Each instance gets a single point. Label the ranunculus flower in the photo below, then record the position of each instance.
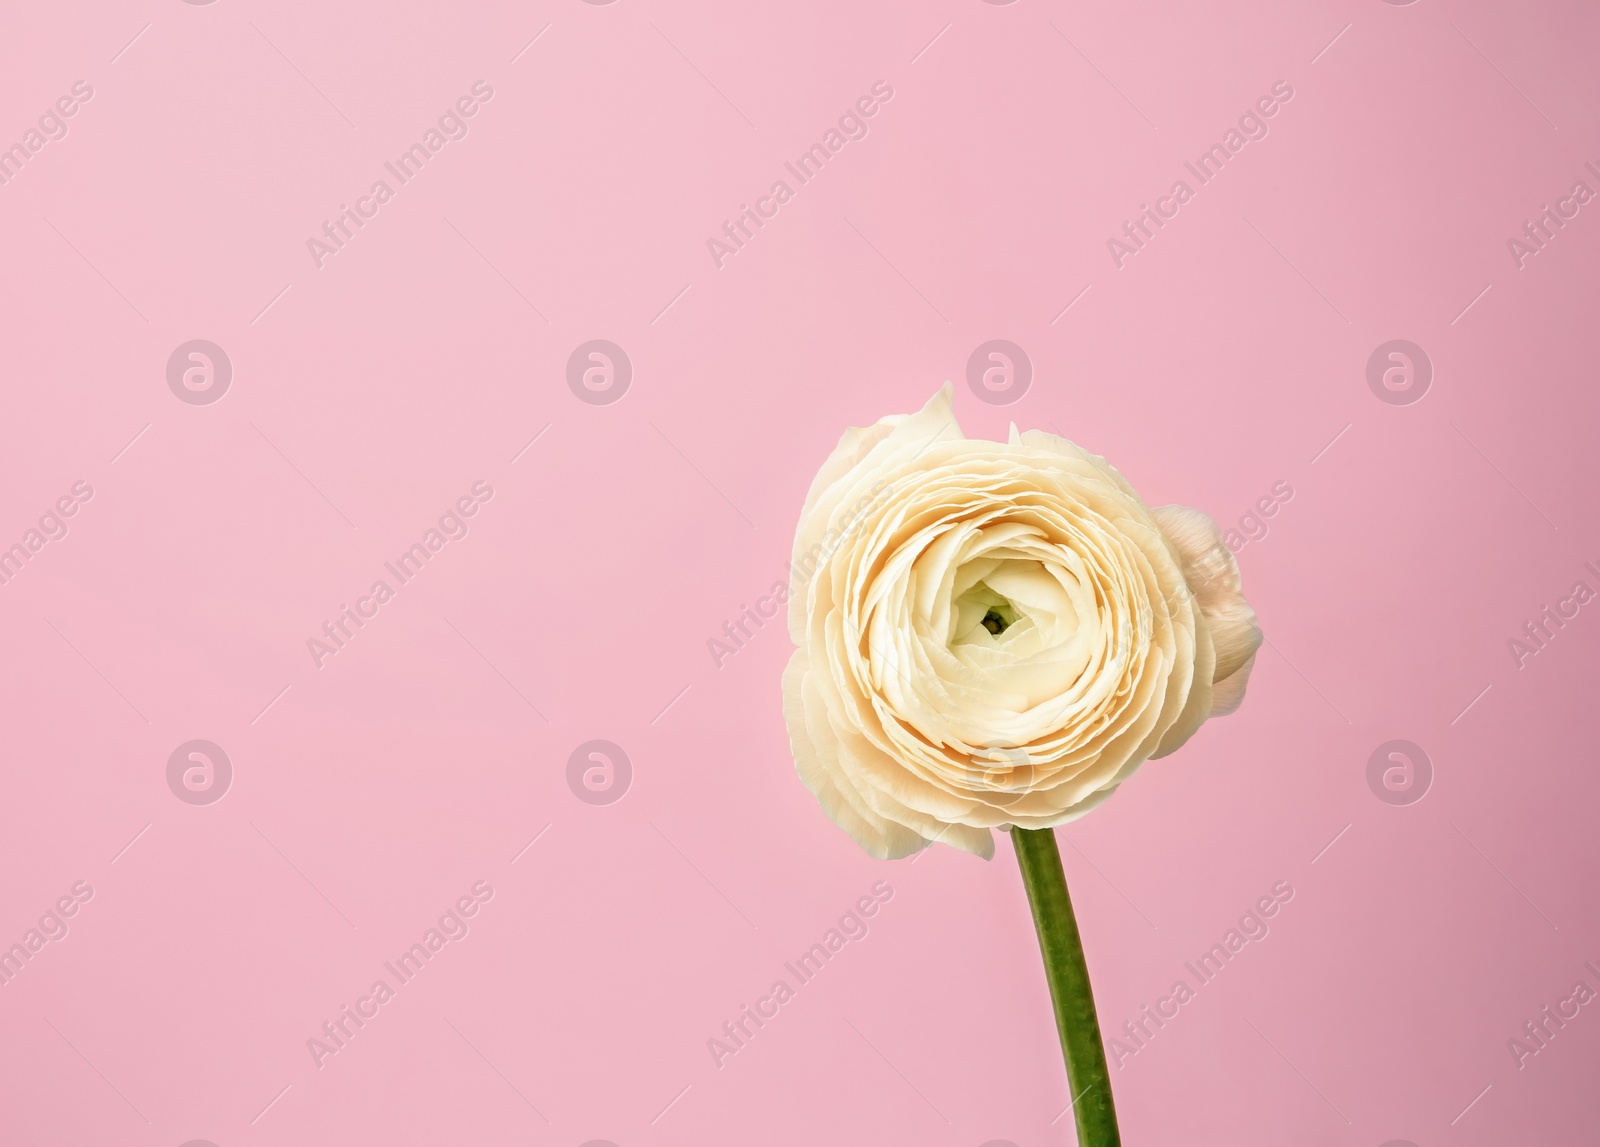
(996, 633)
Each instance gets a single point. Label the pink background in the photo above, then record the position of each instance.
(370, 394)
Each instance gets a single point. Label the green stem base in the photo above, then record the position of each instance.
(1087, 1075)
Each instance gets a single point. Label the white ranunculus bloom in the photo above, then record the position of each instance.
(996, 633)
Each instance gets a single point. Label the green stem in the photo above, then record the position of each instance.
(1059, 943)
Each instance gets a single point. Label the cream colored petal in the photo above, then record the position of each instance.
(979, 841)
(1089, 803)
(1201, 701)
(815, 756)
(1233, 627)
(1208, 564)
(1227, 694)
(845, 483)
(1213, 577)
(1076, 455)
(1125, 628)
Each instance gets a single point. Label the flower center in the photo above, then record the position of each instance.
(980, 610)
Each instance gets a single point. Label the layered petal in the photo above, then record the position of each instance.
(993, 634)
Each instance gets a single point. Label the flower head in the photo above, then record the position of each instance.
(996, 633)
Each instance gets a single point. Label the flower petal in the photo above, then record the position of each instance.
(996, 633)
